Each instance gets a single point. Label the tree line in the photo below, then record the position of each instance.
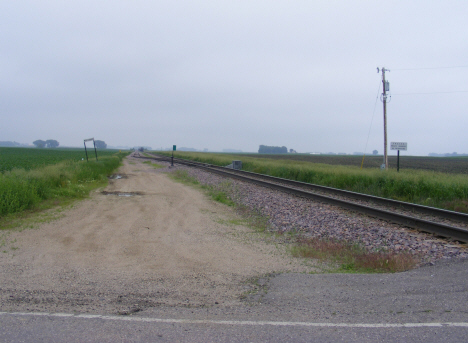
(52, 143)
(265, 149)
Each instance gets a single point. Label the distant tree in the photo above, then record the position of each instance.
(141, 149)
(100, 144)
(375, 152)
(51, 143)
(39, 143)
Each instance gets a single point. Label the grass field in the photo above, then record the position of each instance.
(426, 187)
(31, 158)
(50, 183)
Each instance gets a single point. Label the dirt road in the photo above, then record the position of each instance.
(167, 246)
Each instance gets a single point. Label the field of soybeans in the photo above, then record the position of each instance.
(437, 182)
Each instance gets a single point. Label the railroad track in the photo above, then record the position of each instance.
(440, 222)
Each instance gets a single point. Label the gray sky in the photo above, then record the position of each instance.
(235, 74)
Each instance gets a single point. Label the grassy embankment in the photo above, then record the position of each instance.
(52, 185)
(430, 188)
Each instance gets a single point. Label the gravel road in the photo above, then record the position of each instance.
(165, 245)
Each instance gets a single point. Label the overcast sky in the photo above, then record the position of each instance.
(235, 74)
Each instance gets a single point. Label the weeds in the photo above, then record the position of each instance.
(457, 205)
(154, 165)
(254, 219)
(218, 193)
(219, 196)
(352, 257)
(184, 177)
(257, 288)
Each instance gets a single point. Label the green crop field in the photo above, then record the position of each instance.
(431, 187)
(33, 179)
(31, 158)
(453, 165)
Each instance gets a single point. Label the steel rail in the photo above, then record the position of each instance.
(463, 217)
(405, 220)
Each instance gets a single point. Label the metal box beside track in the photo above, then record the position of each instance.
(235, 165)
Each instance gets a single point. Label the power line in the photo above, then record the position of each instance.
(372, 119)
(453, 67)
(431, 93)
(370, 127)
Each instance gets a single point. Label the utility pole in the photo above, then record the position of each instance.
(385, 87)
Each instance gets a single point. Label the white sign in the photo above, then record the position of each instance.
(398, 146)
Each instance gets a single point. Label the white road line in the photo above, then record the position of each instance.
(233, 322)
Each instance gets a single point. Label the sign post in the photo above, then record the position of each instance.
(398, 146)
(172, 160)
(94, 144)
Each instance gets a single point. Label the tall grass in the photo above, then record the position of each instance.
(449, 191)
(21, 189)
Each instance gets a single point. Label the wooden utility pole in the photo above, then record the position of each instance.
(385, 87)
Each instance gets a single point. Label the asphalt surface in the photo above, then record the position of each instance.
(40, 329)
(429, 304)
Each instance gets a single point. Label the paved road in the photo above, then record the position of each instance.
(50, 329)
(424, 305)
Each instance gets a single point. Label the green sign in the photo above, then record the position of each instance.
(174, 147)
